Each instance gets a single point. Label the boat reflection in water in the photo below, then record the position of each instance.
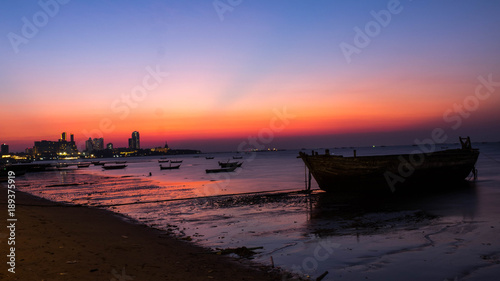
(332, 215)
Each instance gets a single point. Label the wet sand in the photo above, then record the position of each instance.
(57, 242)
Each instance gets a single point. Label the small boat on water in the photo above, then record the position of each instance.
(169, 167)
(120, 162)
(230, 164)
(114, 167)
(221, 170)
(163, 161)
(335, 173)
(29, 167)
(83, 165)
(97, 163)
(209, 157)
(175, 161)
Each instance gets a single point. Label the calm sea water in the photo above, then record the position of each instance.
(375, 238)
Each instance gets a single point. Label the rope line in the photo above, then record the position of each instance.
(58, 204)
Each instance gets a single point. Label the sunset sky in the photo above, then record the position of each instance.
(210, 74)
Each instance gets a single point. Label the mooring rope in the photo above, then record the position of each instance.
(63, 204)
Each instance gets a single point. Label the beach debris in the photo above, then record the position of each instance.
(188, 238)
(243, 252)
(272, 262)
(322, 276)
(93, 270)
(124, 236)
(71, 262)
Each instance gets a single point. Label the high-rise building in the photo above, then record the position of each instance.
(134, 142)
(46, 148)
(4, 149)
(72, 138)
(109, 146)
(98, 144)
(64, 136)
(88, 145)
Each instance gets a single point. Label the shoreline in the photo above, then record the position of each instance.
(57, 241)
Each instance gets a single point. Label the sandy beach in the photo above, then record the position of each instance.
(57, 242)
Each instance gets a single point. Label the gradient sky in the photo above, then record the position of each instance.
(227, 78)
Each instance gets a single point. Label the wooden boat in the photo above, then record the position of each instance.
(30, 167)
(83, 165)
(169, 167)
(209, 157)
(390, 172)
(163, 161)
(221, 170)
(230, 164)
(114, 167)
(175, 161)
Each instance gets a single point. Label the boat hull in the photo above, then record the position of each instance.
(114, 167)
(169, 167)
(390, 172)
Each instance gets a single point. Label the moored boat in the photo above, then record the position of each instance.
(29, 167)
(163, 161)
(390, 172)
(114, 167)
(169, 167)
(175, 161)
(230, 164)
(221, 170)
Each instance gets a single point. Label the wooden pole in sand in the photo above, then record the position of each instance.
(309, 181)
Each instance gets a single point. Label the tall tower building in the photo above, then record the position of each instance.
(89, 145)
(72, 138)
(4, 149)
(136, 143)
(64, 136)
